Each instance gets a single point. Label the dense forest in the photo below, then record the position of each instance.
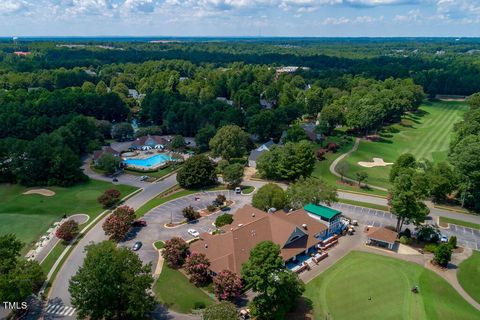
(60, 100)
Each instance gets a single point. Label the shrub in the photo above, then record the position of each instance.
(211, 208)
(227, 285)
(67, 231)
(109, 198)
(190, 214)
(199, 305)
(197, 267)
(405, 240)
(222, 311)
(221, 198)
(332, 146)
(452, 242)
(407, 233)
(320, 154)
(223, 220)
(443, 254)
(175, 252)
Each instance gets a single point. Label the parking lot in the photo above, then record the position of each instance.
(172, 211)
(466, 237)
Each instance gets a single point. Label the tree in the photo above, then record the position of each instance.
(112, 283)
(404, 161)
(223, 220)
(197, 267)
(88, 86)
(119, 223)
(289, 162)
(203, 137)
(310, 190)
(295, 134)
(67, 230)
(443, 254)
(101, 88)
(227, 285)
(342, 168)
(190, 214)
(19, 278)
(233, 175)
(230, 142)
(278, 287)
(175, 252)
(122, 131)
(109, 198)
(197, 171)
(362, 177)
(452, 242)
(221, 311)
(269, 196)
(442, 181)
(108, 163)
(178, 142)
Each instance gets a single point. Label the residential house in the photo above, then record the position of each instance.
(254, 154)
(150, 141)
(105, 150)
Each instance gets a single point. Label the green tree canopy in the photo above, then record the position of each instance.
(221, 311)
(233, 174)
(230, 142)
(269, 196)
(112, 283)
(197, 171)
(310, 190)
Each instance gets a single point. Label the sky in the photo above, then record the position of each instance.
(295, 18)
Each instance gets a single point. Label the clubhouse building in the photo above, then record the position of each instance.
(300, 235)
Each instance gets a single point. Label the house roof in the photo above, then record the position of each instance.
(382, 234)
(255, 153)
(321, 211)
(149, 139)
(294, 232)
(105, 150)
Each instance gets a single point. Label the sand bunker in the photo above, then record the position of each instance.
(43, 192)
(377, 162)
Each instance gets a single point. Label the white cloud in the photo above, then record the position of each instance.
(12, 6)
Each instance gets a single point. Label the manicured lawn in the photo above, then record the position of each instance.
(469, 275)
(322, 169)
(177, 293)
(425, 134)
(159, 244)
(29, 216)
(364, 204)
(247, 189)
(444, 220)
(369, 286)
(154, 174)
(52, 257)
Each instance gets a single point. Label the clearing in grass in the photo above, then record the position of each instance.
(369, 286)
(29, 216)
(425, 134)
(469, 275)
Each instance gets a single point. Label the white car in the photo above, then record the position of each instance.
(143, 178)
(443, 238)
(193, 232)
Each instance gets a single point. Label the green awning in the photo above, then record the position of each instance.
(325, 213)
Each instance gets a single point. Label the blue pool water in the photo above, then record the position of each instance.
(155, 160)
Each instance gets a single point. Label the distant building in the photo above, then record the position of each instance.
(295, 232)
(309, 129)
(227, 101)
(381, 237)
(91, 72)
(254, 154)
(105, 150)
(154, 142)
(22, 53)
(133, 93)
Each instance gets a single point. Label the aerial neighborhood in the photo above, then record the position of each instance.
(238, 178)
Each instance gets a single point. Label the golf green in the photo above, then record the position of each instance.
(426, 134)
(369, 286)
(28, 216)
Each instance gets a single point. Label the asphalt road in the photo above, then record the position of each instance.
(59, 294)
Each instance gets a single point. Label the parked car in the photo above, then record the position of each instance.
(114, 180)
(137, 246)
(238, 190)
(143, 178)
(443, 238)
(139, 223)
(193, 232)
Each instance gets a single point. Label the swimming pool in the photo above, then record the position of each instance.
(152, 161)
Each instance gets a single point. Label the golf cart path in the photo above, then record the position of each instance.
(343, 156)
